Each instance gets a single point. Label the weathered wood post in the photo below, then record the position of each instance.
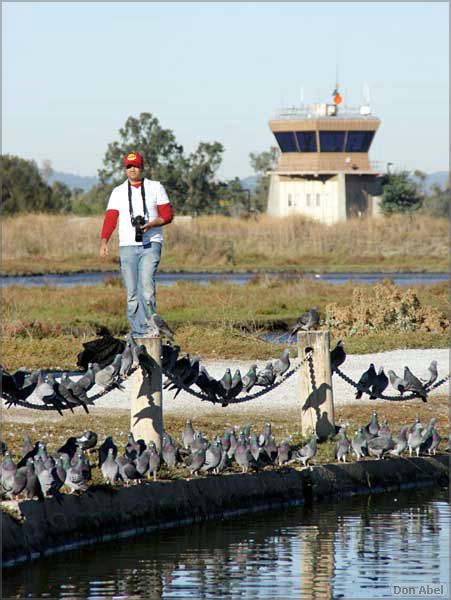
(146, 406)
(315, 382)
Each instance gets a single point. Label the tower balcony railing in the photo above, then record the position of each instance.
(318, 111)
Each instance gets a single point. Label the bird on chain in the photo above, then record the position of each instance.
(282, 364)
(379, 385)
(337, 356)
(432, 375)
(366, 381)
(160, 327)
(396, 382)
(266, 376)
(413, 384)
(249, 378)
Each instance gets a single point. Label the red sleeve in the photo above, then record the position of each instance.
(109, 223)
(165, 212)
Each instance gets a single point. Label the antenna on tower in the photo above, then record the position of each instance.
(365, 108)
(302, 95)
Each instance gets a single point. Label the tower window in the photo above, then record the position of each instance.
(306, 141)
(332, 141)
(309, 199)
(318, 198)
(286, 141)
(359, 141)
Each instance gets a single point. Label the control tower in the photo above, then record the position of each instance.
(324, 170)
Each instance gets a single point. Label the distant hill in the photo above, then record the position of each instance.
(440, 178)
(250, 182)
(85, 182)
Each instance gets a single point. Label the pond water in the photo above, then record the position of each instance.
(94, 278)
(357, 548)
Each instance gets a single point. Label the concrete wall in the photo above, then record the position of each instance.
(102, 513)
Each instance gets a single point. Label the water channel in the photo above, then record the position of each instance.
(358, 548)
(96, 277)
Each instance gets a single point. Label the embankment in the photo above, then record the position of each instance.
(100, 514)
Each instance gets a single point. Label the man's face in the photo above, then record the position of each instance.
(134, 174)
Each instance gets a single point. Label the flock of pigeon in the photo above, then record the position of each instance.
(39, 474)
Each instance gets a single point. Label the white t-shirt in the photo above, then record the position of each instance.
(155, 195)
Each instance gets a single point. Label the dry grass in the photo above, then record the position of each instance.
(44, 243)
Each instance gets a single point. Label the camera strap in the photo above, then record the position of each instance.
(143, 195)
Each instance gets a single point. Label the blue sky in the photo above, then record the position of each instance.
(74, 71)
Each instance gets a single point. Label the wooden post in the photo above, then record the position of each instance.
(146, 406)
(315, 382)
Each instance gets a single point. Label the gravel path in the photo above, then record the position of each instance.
(285, 398)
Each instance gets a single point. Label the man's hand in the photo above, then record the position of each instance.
(103, 248)
(146, 227)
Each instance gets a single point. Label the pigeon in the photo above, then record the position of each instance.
(396, 382)
(10, 390)
(168, 451)
(413, 384)
(189, 376)
(109, 467)
(283, 452)
(208, 385)
(104, 449)
(226, 382)
(142, 463)
(448, 447)
(169, 355)
(415, 439)
(69, 448)
(282, 364)
(32, 486)
(266, 376)
(342, 446)
(435, 441)
(270, 448)
(379, 385)
(365, 382)
(8, 470)
(379, 445)
(75, 478)
(195, 461)
(128, 470)
(242, 454)
(308, 451)
(373, 426)
(400, 441)
(337, 356)
(65, 390)
(154, 459)
(48, 479)
(126, 361)
(133, 448)
(47, 394)
(308, 320)
(236, 386)
(188, 435)
(88, 440)
(249, 379)
(213, 456)
(233, 444)
(359, 444)
(265, 435)
(160, 327)
(106, 378)
(412, 427)
(18, 483)
(27, 446)
(432, 374)
(426, 435)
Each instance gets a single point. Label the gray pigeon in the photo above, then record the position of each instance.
(237, 385)
(8, 470)
(47, 394)
(75, 478)
(188, 435)
(308, 451)
(242, 454)
(154, 460)
(32, 487)
(159, 326)
(88, 440)
(213, 456)
(128, 470)
(110, 468)
(396, 382)
(282, 364)
(104, 448)
(380, 445)
(195, 461)
(359, 444)
(106, 378)
(168, 451)
(142, 463)
(432, 375)
(266, 376)
(373, 426)
(226, 381)
(307, 321)
(400, 441)
(379, 385)
(366, 381)
(413, 384)
(435, 441)
(283, 452)
(126, 361)
(337, 356)
(415, 439)
(249, 379)
(412, 427)
(342, 446)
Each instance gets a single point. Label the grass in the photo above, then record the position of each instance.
(65, 243)
(46, 326)
(54, 430)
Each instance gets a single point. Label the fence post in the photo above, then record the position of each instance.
(315, 382)
(146, 406)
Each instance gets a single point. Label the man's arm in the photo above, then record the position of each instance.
(109, 225)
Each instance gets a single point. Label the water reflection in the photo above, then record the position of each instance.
(356, 548)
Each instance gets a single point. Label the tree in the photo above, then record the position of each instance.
(233, 199)
(437, 202)
(400, 194)
(93, 202)
(23, 189)
(262, 163)
(189, 181)
(61, 197)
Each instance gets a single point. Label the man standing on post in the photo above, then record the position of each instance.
(142, 208)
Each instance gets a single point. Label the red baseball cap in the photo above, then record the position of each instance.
(133, 158)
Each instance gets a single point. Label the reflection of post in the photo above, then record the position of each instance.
(317, 407)
(317, 563)
(146, 406)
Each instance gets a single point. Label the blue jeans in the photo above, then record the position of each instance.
(138, 267)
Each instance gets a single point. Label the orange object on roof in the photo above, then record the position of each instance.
(337, 98)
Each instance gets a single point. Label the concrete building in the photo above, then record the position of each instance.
(324, 170)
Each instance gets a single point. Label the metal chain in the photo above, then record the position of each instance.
(398, 398)
(238, 400)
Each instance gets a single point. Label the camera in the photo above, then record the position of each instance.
(137, 223)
